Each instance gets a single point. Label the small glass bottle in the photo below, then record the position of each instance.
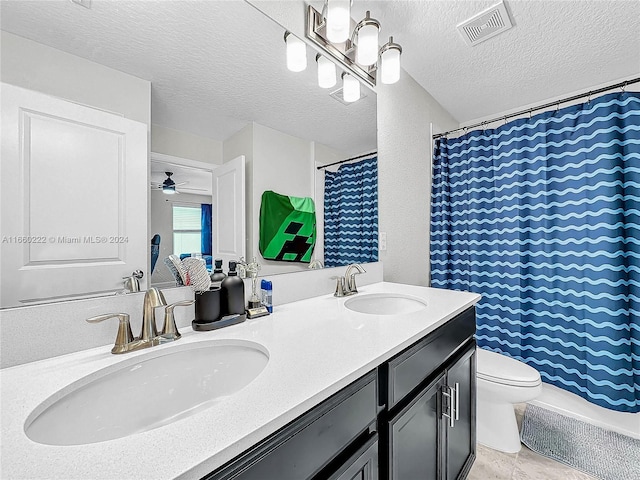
(267, 295)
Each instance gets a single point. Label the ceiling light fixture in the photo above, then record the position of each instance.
(296, 53)
(338, 20)
(169, 186)
(390, 62)
(326, 72)
(367, 40)
(359, 52)
(350, 88)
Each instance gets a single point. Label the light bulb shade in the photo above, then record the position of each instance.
(350, 88)
(169, 189)
(338, 20)
(390, 65)
(326, 72)
(367, 45)
(296, 53)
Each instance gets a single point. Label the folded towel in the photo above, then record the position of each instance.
(198, 276)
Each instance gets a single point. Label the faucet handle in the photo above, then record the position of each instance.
(339, 286)
(350, 277)
(170, 330)
(124, 335)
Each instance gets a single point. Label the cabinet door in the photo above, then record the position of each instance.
(416, 436)
(363, 465)
(461, 439)
(304, 448)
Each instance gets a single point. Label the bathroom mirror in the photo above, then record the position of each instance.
(217, 70)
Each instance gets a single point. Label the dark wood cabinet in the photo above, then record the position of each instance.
(411, 418)
(415, 434)
(461, 431)
(433, 436)
(312, 443)
(362, 466)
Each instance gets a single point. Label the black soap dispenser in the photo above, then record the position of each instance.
(217, 276)
(233, 292)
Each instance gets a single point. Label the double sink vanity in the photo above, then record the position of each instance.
(377, 385)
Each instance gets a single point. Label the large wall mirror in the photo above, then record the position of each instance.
(219, 89)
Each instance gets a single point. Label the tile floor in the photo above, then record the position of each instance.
(524, 465)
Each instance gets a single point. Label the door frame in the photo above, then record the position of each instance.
(155, 157)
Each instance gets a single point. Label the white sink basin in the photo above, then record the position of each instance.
(146, 392)
(385, 304)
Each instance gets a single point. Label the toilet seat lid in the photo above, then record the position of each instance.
(498, 368)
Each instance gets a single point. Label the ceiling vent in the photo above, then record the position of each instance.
(338, 96)
(486, 24)
(83, 3)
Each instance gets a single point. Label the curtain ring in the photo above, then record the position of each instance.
(530, 110)
(589, 98)
(624, 86)
(557, 106)
(505, 120)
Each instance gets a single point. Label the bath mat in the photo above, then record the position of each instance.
(604, 454)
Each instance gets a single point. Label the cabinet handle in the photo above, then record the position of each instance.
(457, 407)
(447, 391)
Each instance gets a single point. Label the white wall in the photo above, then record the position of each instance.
(279, 162)
(405, 114)
(44, 69)
(185, 145)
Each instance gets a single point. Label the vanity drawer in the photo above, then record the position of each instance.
(406, 371)
(306, 445)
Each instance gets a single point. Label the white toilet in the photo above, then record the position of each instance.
(502, 382)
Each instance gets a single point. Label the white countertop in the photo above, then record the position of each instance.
(316, 347)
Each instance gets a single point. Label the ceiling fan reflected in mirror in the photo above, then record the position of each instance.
(168, 186)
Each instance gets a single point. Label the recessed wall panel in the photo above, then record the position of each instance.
(74, 182)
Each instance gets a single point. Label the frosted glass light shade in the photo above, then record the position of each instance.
(296, 54)
(338, 20)
(367, 45)
(350, 88)
(390, 66)
(326, 72)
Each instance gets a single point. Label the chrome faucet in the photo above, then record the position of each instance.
(347, 285)
(153, 298)
(149, 336)
(350, 277)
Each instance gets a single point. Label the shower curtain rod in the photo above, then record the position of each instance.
(542, 107)
(347, 160)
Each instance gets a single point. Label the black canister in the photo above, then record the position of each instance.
(232, 292)
(218, 275)
(208, 305)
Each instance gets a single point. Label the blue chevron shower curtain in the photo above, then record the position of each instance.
(542, 217)
(351, 213)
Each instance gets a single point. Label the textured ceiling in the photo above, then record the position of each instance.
(556, 47)
(214, 65)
